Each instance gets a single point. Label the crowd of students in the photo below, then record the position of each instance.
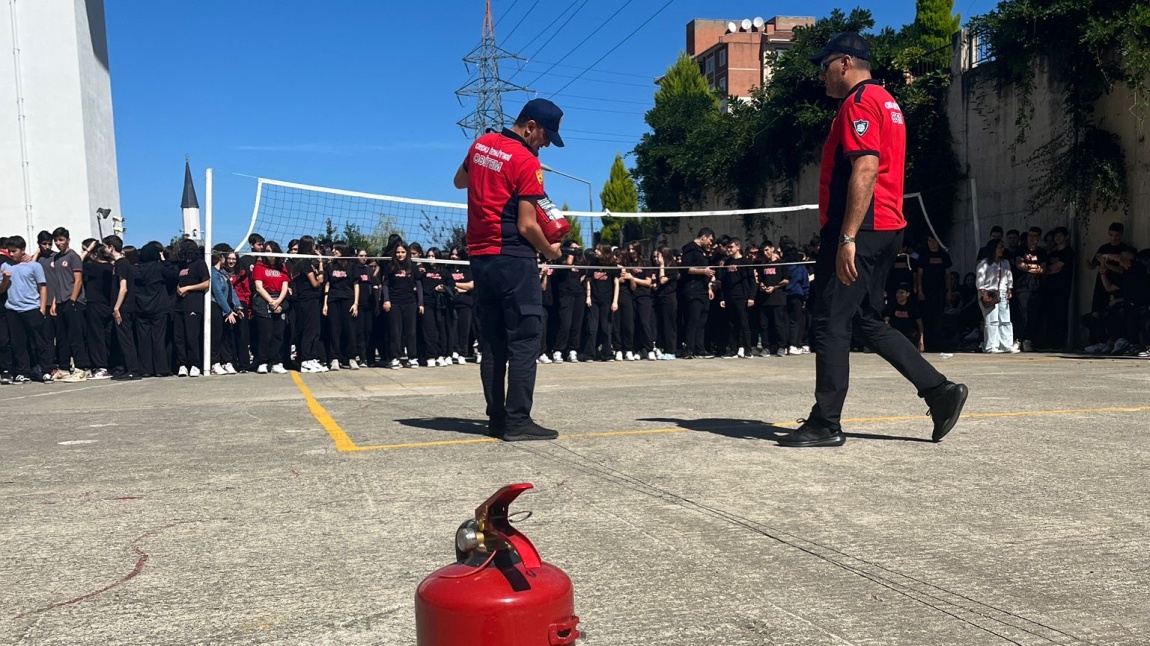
(106, 310)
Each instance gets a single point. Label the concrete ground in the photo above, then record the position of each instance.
(306, 509)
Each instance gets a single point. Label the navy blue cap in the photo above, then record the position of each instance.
(844, 42)
(547, 115)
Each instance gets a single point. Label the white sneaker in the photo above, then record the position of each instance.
(630, 356)
(100, 373)
(230, 369)
(454, 356)
(263, 369)
(636, 356)
(217, 369)
(279, 369)
(478, 357)
(335, 364)
(353, 365)
(651, 356)
(431, 363)
(557, 357)
(183, 372)
(806, 349)
(460, 360)
(394, 365)
(741, 353)
(618, 356)
(444, 362)
(413, 363)
(309, 367)
(573, 357)
(666, 357)
(543, 358)
(795, 350)
(194, 372)
(1016, 348)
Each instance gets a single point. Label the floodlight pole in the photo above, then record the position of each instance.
(590, 198)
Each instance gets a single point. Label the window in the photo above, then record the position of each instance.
(723, 85)
(722, 58)
(710, 65)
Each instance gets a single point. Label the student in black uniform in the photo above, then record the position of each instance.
(903, 314)
(738, 300)
(307, 287)
(548, 303)
(151, 279)
(364, 273)
(933, 291)
(341, 301)
(570, 294)
(602, 301)
(772, 303)
(623, 321)
(437, 290)
(642, 284)
(697, 290)
(124, 305)
(65, 275)
(98, 280)
(193, 281)
(667, 302)
(403, 302)
(464, 307)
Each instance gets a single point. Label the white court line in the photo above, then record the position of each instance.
(54, 392)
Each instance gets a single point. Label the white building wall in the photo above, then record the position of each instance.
(54, 65)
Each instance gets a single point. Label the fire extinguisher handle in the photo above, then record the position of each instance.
(492, 519)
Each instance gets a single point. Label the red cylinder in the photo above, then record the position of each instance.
(491, 606)
(555, 226)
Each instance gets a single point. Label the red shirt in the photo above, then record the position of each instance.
(273, 279)
(869, 122)
(501, 170)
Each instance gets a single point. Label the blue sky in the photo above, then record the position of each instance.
(360, 94)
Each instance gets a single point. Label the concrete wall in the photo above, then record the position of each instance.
(59, 161)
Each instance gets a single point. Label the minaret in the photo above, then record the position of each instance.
(190, 205)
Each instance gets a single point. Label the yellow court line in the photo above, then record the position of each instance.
(341, 439)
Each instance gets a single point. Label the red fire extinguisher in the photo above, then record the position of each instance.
(498, 592)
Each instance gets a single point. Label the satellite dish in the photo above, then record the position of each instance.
(746, 24)
(732, 27)
(758, 22)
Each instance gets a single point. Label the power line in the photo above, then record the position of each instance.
(640, 76)
(552, 37)
(509, 9)
(593, 132)
(628, 37)
(595, 98)
(529, 10)
(585, 39)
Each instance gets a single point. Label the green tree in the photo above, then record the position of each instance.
(934, 23)
(620, 195)
(374, 240)
(576, 226)
(671, 162)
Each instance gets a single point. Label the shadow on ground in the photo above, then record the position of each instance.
(748, 429)
(450, 424)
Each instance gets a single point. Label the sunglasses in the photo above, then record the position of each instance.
(827, 63)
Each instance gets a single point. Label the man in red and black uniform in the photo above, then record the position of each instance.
(860, 212)
(504, 183)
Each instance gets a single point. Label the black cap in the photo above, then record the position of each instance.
(844, 42)
(547, 115)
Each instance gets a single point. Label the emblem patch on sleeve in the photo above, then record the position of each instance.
(861, 126)
(539, 176)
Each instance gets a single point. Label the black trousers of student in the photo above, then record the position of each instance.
(364, 324)
(1025, 316)
(189, 337)
(223, 337)
(271, 333)
(598, 330)
(26, 331)
(240, 347)
(401, 321)
(716, 328)
(6, 359)
(69, 330)
(698, 309)
(341, 331)
(623, 323)
(933, 309)
(739, 320)
(570, 309)
(667, 311)
(644, 324)
(126, 341)
(839, 310)
(308, 321)
(434, 325)
(98, 317)
(152, 344)
(1056, 312)
(796, 317)
(464, 321)
(381, 333)
(775, 323)
(509, 300)
(248, 341)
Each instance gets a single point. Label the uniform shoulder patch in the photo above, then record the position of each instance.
(539, 176)
(861, 126)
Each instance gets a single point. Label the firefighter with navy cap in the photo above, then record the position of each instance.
(504, 182)
(862, 223)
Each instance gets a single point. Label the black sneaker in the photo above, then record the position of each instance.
(47, 378)
(127, 376)
(5, 379)
(946, 404)
(496, 428)
(808, 435)
(530, 431)
(20, 379)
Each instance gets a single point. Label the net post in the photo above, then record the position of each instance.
(255, 212)
(207, 344)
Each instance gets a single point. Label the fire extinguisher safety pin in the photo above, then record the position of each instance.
(519, 516)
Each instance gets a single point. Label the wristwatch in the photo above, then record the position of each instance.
(845, 239)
